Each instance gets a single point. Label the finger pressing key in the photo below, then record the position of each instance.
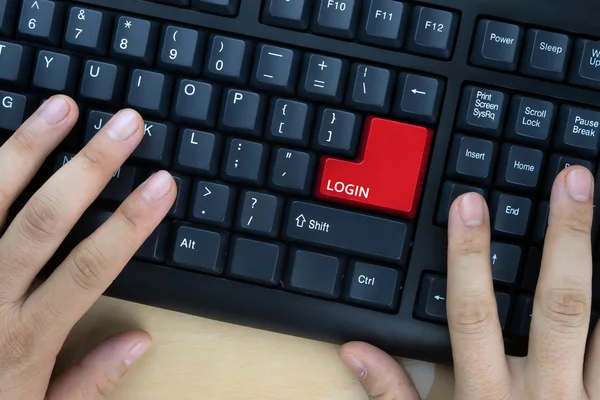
(561, 311)
(91, 267)
(477, 345)
(41, 226)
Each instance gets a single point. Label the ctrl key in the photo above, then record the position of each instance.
(373, 286)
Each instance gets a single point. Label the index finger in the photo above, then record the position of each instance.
(477, 344)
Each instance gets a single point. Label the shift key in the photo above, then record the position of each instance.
(353, 232)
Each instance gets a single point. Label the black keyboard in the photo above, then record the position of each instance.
(318, 145)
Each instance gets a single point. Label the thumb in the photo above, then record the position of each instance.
(96, 376)
(379, 374)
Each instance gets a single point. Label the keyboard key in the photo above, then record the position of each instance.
(8, 13)
(256, 261)
(510, 214)
(370, 88)
(546, 54)
(287, 14)
(196, 102)
(532, 269)
(497, 45)
(356, 233)
(522, 316)
(197, 152)
(55, 72)
(156, 146)
(212, 203)
(338, 132)
(14, 109)
(585, 68)
(503, 304)
(181, 50)
(291, 122)
(15, 63)
(577, 130)
(520, 167)
(418, 97)
(41, 21)
(135, 40)
(431, 303)
(482, 110)
(102, 82)
(245, 161)
(292, 171)
(335, 18)
(228, 60)
(383, 23)
(154, 248)
(505, 260)
(531, 120)
(315, 274)
(541, 222)
(388, 146)
(150, 92)
(199, 249)
(223, 7)
(472, 159)
(373, 286)
(322, 78)
(179, 207)
(275, 68)
(557, 163)
(242, 112)
(432, 32)
(122, 184)
(260, 213)
(87, 30)
(450, 192)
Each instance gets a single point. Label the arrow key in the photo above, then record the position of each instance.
(212, 203)
(431, 304)
(505, 259)
(418, 97)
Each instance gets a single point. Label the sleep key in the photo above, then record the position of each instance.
(354, 232)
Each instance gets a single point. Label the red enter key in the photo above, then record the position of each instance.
(388, 173)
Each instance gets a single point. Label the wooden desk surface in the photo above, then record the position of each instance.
(196, 358)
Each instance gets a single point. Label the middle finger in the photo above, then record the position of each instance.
(561, 311)
(40, 227)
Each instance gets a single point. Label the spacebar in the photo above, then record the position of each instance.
(350, 231)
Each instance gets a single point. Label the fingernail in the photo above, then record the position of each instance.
(354, 365)
(123, 125)
(54, 110)
(157, 186)
(136, 352)
(579, 185)
(471, 210)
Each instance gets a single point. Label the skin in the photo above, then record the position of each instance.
(36, 318)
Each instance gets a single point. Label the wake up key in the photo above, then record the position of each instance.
(578, 130)
(357, 233)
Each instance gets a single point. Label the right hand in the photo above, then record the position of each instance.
(557, 366)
